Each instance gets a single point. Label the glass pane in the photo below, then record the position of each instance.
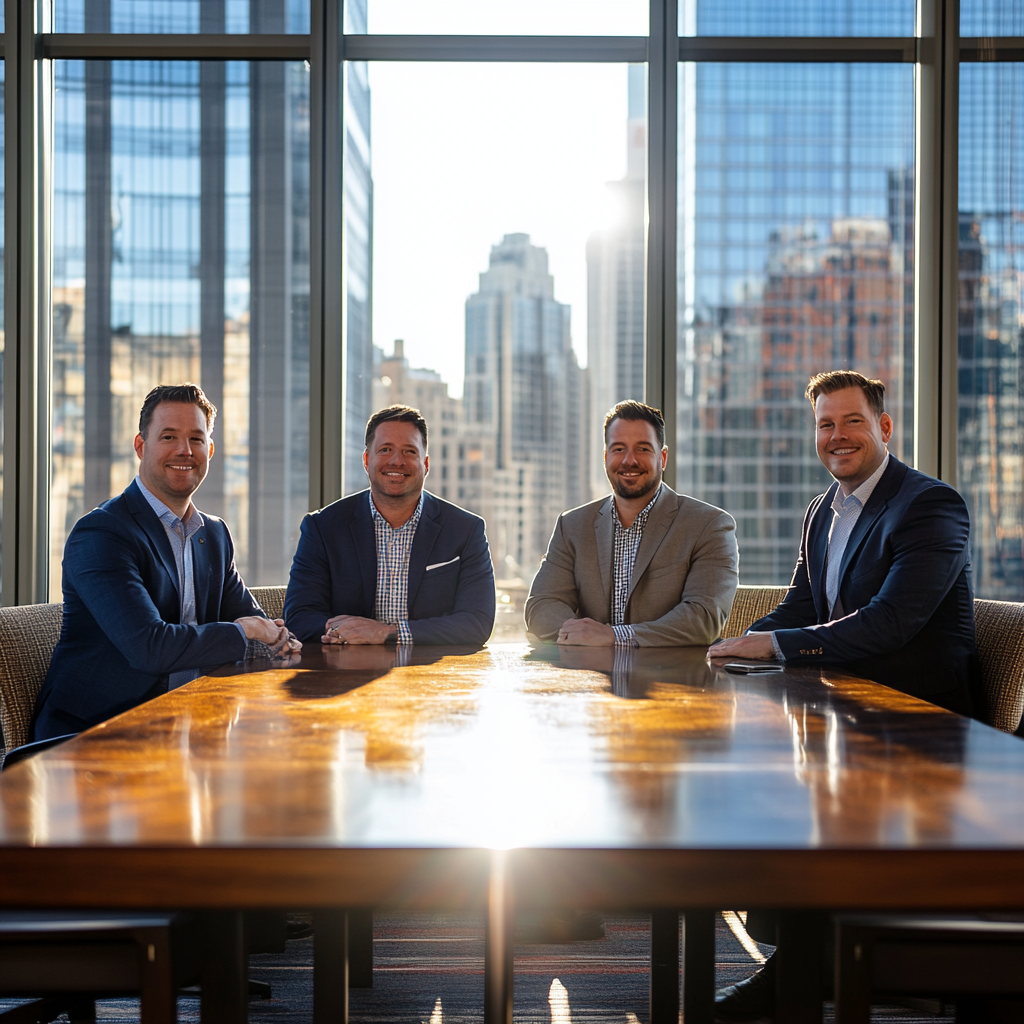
(524, 17)
(795, 256)
(501, 255)
(991, 18)
(2, 68)
(991, 323)
(181, 190)
(188, 16)
(797, 17)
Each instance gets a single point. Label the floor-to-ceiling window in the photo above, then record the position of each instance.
(540, 209)
(991, 303)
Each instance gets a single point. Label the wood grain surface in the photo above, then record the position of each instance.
(366, 776)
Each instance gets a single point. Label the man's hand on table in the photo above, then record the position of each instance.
(585, 633)
(354, 629)
(271, 632)
(757, 646)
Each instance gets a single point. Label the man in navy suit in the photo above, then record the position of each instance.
(151, 595)
(882, 586)
(882, 583)
(393, 562)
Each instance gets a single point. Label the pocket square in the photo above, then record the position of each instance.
(438, 565)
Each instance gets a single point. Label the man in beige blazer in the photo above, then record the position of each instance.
(644, 567)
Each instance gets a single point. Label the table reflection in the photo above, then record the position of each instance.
(511, 746)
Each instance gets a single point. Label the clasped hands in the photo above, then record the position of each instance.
(585, 633)
(354, 629)
(272, 632)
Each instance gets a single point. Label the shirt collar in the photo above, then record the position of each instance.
(641, 516)
(167, 515)
(864, 492)
(414, 518)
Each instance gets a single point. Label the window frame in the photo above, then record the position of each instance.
(29, 47)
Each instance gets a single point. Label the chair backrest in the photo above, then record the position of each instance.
(750, 605)
(28, 635)
(271, 600)
(999, 626)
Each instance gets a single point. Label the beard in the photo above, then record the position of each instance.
(639, 489)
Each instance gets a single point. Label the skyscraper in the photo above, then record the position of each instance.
(358, 255)
(525, 391)
(616, 286)
(181, 251)
(991, 324)
(795, 256)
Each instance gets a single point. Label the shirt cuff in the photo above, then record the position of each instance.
(779, 656)
(624, 636)
(257, 649)
(404, 632)
(241, 630)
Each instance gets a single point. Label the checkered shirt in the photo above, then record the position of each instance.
(627, 543)
(394, 547)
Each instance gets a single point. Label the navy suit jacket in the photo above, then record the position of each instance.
(122, 634)
(905, 587)
(451, 579)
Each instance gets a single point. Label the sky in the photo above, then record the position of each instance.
(463, 154)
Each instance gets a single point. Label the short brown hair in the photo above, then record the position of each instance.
(186, 394)
(401, 413)
(633, 410)
(839, 380)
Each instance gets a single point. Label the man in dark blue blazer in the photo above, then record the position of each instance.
(882, 586)
(151, 594)
(393, 562)
(882, 583)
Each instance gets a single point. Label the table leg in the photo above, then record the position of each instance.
(360, 949)
(798, 977)
(225, 989)
(330, 967)
(699, 966)
(664, 967)
(499, 971)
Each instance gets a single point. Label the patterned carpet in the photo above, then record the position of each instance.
(429, 970)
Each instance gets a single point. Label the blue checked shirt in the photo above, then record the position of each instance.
(179, 534)
(394, 547)
(845, 513)
(627, 543)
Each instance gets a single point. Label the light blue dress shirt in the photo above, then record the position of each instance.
(179, 534)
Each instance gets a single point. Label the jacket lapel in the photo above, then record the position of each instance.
(201, 574)
(817, 551)
(604, 533)
(661, 516)
(364, 540)
(422, 545)
(151, 526)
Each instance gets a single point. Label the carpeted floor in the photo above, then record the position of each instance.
(429, 970)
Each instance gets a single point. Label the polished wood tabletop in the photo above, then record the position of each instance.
(649, 778)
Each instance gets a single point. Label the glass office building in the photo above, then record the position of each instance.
(209, 208)
(181, 252)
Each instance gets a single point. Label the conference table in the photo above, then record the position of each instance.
(511, 777)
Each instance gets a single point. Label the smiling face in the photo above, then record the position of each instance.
(851, 439)
(174, 456)
(633, 459)
(396, 461)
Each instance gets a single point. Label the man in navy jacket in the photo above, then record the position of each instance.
(882, 583)
(882, 586)
(151, 594)
(393, 562)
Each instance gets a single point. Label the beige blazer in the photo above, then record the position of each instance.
(683, 582)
